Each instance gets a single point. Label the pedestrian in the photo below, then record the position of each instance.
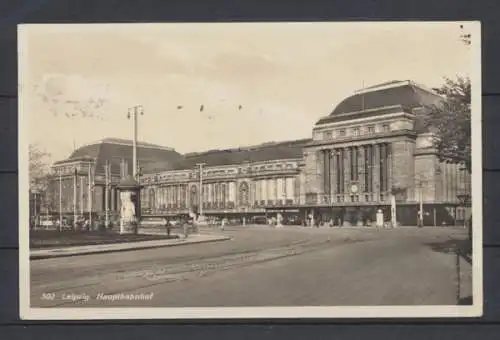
(420, 219)
(186, 229)
(222, 224)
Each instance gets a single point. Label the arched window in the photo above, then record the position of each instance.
(194, 195)
(223, 187)
(243, 193)
(152, 199)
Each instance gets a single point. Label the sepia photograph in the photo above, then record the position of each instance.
(250, 170)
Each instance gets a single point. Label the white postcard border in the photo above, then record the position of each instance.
(106, 313)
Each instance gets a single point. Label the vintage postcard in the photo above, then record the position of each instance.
(250, 170)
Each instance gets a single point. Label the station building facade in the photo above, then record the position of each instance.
(80, 181)
(372, 147)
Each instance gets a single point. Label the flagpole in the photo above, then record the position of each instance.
(106, 194)
(74, 198)
(90, 196)
(60, 201)
(82, 185)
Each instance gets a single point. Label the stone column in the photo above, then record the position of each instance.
(112, 194)
(383, 170)
(333, 174)
(389, 166)
(376, 172)
(455, 180)
(232, 192)
(264, 196)
(290, 188)
(446, 180)
(281, 189)
(320, 171)
(276, 193)
(270, 189)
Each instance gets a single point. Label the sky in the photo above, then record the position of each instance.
(77, 82)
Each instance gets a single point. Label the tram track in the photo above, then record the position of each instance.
(130, 279)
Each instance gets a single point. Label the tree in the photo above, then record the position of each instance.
(450, 120)
(38, 167)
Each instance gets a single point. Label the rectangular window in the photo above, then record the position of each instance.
(355, 132)
(386, 128)
(342, 133)
(382, 168)
(371, 129)
(327, 135)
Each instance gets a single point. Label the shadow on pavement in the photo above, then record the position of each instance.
(460, 247)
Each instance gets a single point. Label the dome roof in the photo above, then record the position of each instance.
(256, 153)
(115, 150)
(394, 93)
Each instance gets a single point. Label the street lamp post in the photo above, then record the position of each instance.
(90, 194)
(75, 182)
(200, 195)
(133, 112)
(106, 193)
(60, 201)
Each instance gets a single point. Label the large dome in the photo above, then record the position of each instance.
(151, 157)
(394, 93)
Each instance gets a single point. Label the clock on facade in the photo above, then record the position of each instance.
(354, 188)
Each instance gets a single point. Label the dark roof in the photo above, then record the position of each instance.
(258, 153)
(114, 150)
(341, 117)
(129, 142)
(408, 95)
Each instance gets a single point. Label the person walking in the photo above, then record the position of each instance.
(420, 219)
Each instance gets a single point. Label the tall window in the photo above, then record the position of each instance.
(152, 198)
(370, 150)
(342, 133)
(327, 135)
(356, 163)
(383, 179)
(223, 192)
(355, 132)
(386, 128)
(340, 170)
(243, 193)
(371, 129)
(326, 172)
(352, 152)
(367, 168)
(217, 192)
(194, 196)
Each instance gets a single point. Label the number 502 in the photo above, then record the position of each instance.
(48, 296)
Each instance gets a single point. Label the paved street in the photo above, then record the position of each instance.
(267, 267)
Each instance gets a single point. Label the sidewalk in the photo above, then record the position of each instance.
(39, 254)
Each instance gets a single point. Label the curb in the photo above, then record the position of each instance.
(91, 252)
